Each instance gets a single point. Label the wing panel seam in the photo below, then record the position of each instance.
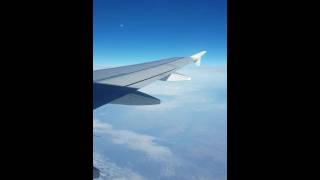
(149, 78)
(135, 71)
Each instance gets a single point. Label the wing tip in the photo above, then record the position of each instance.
(197, 57)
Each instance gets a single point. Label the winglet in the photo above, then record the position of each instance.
(197, 57)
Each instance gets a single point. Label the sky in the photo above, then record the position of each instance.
(129, 32)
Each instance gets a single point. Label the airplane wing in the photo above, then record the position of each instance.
(120, 85)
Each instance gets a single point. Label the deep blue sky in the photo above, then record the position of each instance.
(135, 31)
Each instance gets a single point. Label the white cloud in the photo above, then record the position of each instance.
(142, 143)
(202, 92)
(205, 92)
(135, 141)
(111, 171)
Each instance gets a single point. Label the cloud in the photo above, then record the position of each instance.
(142, 143)
(205, 92)
(135, 141)
(203, 98)
(111, 171)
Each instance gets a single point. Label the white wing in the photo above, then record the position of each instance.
(119, 85)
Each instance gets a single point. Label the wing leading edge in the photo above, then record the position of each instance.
(120, 85)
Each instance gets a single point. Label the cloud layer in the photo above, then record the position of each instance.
(135, 141)
(110, 171)
(184, 137)
(206, 91)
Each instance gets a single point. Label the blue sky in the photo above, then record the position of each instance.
(127, 31)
